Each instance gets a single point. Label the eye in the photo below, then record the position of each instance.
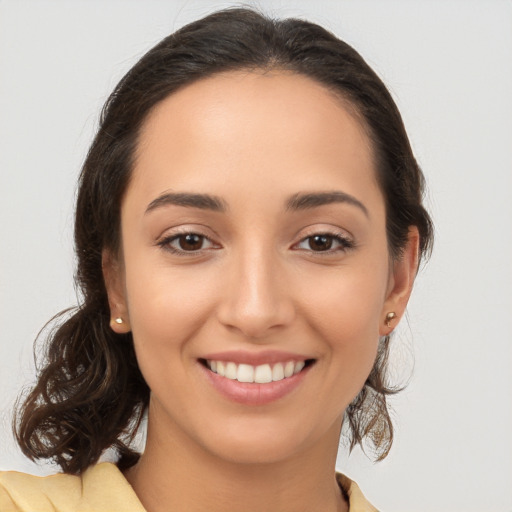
(190, 242)
(186, 243)
(325, 242)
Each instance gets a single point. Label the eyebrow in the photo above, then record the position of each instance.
(299, 201)
(304, 201)
(201, 201)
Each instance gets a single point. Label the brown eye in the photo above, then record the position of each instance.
(320, 242)
(190, 242)
(325, 242)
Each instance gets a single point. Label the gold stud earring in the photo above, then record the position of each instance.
(389, 317)
(118, 320)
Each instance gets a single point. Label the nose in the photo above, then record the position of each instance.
(256, 297)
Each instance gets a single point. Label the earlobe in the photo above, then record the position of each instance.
(119, 325)
(403, 275)
(114, 284)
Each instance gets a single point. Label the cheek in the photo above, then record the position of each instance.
(166, 308)
(344, 310)
(346, 304)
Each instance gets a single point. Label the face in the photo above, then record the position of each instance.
(254, 274)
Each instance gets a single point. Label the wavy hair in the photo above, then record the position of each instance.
(90, 394)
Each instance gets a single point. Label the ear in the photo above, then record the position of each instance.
(401, 282)
(113, 275)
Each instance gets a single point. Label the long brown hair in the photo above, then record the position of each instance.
(90, 394)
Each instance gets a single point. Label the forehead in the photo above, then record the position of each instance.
(244, 127)
(296, 105)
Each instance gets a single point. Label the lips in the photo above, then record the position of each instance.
(255, 379)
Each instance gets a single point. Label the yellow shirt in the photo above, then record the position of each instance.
(102, 488)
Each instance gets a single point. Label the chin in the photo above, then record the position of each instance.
(258, 441)
(256, 451)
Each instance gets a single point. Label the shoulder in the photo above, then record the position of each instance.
(20, 492)
(356, 499)
(101, 488)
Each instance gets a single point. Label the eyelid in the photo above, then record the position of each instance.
(169, 236)
(345, 242)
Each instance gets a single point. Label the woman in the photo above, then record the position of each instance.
(248, 228)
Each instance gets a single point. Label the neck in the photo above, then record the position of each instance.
(174, 474)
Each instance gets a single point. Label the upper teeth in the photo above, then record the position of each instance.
(260, 374)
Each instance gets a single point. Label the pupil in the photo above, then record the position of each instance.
(191, 242)
(320, 242)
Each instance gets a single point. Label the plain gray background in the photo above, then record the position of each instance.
(449, 66)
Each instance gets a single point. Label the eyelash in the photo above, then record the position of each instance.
(165, 243)
(344, 243)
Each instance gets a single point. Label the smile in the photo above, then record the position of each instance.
(261, 374)
(255, 379)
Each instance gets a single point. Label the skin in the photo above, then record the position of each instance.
(254, 140)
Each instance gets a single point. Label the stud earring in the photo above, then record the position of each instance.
(118, 320)
(389, 317)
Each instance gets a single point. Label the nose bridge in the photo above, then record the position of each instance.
(256, 298)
